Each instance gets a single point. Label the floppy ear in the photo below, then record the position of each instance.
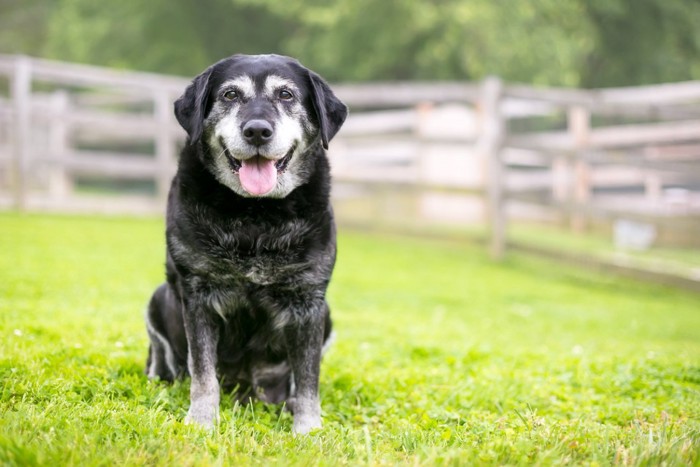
(330, 111)
(190, 108)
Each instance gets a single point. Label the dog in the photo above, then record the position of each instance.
(251, 239)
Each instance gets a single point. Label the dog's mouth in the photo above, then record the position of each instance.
(280, 164)
(258, 174)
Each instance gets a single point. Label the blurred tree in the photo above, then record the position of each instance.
(642, 41)
(23, 25)
(540, 41)
(547, 42)
(167, 36)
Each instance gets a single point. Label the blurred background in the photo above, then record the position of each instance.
(564, 128)
(584, 43)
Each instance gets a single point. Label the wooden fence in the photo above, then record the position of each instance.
(628, 153)
(627, 159)
(410, 155)
(65, 121)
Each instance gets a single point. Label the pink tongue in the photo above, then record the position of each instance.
(258, 175)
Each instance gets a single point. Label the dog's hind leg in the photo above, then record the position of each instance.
(162, 361)
(159, 363)
(328, 332)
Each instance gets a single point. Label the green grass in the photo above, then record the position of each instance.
(442, 357)
(684, 262)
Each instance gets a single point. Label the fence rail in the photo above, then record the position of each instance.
(410, 153)
(622, 157)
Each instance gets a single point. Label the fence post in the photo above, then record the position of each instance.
(489, 145)
(60, 182)
(423, 114)
(165, 144)
(424, 111)
(561, 176)
(20, 89)
(579, 126)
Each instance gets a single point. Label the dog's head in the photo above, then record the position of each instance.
(260, 120)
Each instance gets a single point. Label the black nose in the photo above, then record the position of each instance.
(257, 132)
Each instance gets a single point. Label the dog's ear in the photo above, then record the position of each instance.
(190, 108)
(330, 111)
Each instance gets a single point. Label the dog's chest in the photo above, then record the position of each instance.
(247, 255)
(266, 263)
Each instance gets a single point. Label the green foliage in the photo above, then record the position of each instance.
(23, 25)
(572, 43)
(442, 357)
(169, 37)
(642, 42)
(449, 39)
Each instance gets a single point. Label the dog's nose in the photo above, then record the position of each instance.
(257, 132)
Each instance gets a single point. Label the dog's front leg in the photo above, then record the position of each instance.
(202, 340)
(304, 342)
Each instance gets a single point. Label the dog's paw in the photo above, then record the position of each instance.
(204, 415)
(305, 424)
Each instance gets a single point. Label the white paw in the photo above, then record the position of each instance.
(204, 415)
(305, 424)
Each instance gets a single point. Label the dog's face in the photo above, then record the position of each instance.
(260, 120)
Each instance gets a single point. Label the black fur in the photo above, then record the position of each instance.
(247, 276)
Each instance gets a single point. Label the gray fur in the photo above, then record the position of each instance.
(244, 305)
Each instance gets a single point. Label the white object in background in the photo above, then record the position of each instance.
(634, 235)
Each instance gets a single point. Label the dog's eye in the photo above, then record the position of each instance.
(230, 95)
(285, 95)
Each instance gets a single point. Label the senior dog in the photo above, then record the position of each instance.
(250, 239)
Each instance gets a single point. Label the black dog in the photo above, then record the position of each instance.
(250, 239)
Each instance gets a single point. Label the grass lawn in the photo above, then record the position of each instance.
(684, 262)
(442, 357)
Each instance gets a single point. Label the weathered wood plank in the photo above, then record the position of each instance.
(489, 146)
(656, 94)
(606, 99)
(20, 90)
(380, 122)
(59, 140)
(110, 164)
(73, 74)
(599, 210)
(651, 133)
(599, 177)
(110, 124)
(404, 94)
(165, 143)
(611, 136)
(542, 141)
